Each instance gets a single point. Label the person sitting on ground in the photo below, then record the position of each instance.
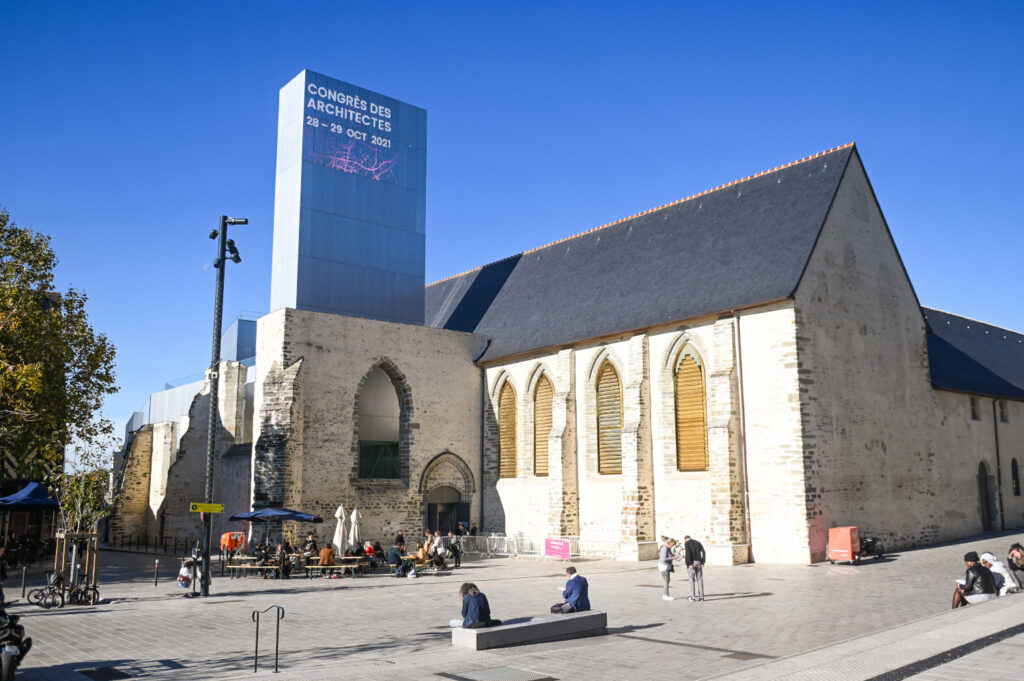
(327, 555)
(1015, 563)
(395, 559)
(476, 612)
(309, 546)
(1003, 580)
(978, 584)
(576, 593)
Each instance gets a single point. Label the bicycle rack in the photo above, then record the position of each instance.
(277, 636)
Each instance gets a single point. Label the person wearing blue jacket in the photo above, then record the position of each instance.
(476, 612)
(576, 593)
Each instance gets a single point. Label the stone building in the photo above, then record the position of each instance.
(749, 365)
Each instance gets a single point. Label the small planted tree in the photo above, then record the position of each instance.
(83, 486)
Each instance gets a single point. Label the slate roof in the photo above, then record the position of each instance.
(970, 356)
(737, 245)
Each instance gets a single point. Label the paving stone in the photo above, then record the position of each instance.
(757, 617)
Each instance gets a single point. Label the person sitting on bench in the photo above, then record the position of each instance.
(476, 612)
(395, 559)
(326, 555)
(576, 594)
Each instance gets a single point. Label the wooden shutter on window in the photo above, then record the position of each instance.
(507, 432)
(691, 425)
(609, 422)
(543, 397)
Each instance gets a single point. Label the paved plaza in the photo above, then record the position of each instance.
(886, 619)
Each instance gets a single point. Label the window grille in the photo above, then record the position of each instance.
(542, 407)
(691, 421)
(609, 421)
(507, 432)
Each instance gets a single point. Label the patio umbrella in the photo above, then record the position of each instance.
(353, 528)
(339, 540)
(269, 515)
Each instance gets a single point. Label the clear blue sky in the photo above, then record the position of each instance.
(127, 129)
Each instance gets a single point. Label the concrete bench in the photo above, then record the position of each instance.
(533, 630)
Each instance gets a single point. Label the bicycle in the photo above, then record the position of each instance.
(49, 596)
(83, 595)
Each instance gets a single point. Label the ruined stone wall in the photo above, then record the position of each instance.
(186, 476)
(309, 370)
(133, 503)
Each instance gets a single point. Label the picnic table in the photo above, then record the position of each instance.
(353, 565)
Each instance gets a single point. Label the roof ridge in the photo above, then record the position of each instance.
(971, 319)
(651, 210)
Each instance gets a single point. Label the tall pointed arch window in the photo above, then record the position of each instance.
(378, 427)
(609, 421)
(691, 420)
(543, 399)
(507, 431)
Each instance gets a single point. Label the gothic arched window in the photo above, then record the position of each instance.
(378, 427)
(609, 421)
(691, 423)
(543, 397)
(507, 432)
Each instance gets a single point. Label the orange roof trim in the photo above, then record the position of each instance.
(657, 208)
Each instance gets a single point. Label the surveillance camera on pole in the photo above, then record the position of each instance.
(223, 245)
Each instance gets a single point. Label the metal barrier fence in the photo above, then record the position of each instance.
(515, 546)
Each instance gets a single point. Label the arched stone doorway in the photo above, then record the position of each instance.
(445, 508)
(984, 498)
(447, 487)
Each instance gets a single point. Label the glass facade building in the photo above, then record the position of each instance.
(350, 202)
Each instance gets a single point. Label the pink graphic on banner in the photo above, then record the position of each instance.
(356, 157)
(556, 548)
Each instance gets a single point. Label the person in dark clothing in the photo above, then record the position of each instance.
(576, 594)
(400, 538)
(395, 559)
(309, 546)
(476, 611)
(694, 558)
(472, 531)
(979, 584)
(1015, 563)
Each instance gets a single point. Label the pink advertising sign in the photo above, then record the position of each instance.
(556, 548)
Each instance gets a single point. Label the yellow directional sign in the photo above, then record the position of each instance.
(206, 508)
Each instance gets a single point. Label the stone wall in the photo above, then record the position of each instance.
(129, 519)
(882, 449)
(186, 476)
(309, 370)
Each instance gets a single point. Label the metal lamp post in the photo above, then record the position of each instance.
(224, 245)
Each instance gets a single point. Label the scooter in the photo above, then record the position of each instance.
(13, 644)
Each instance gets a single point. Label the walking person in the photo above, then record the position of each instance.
(694, 558)
(665, 567)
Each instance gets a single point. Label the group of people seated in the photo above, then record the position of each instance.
(476, 611)
(987, 577)
(435, 550)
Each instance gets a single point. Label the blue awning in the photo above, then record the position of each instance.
(32, 497)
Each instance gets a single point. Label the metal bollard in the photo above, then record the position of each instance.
(23, 570)
(156, 570)
(277, 636)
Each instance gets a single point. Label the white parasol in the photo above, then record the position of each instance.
(353, 528)
(339, 541)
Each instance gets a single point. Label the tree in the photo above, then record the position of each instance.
(55, 370)
(82, 485)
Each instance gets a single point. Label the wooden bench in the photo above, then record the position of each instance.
(243, 570)
(533, 630)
